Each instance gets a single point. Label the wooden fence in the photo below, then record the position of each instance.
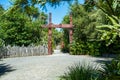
(16, 51)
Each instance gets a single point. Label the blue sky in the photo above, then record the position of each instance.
(57, 13)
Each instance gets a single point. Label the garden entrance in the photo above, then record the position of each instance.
(50, 25)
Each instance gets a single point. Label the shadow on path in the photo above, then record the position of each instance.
(5, 68)
(103, 61)
(108, 56)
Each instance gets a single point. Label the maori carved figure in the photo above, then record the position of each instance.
(70, 35)
(50, 41)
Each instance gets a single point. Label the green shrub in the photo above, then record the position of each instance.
(83, 48)
(65, 49)
(82, 72)
(1, 48)
(77, 49)
(112, 69)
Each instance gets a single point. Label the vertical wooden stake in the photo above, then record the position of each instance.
(71, 30)
(70, 35)
(50, 35)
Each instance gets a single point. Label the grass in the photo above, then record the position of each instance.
(82, 72)
(90, 71)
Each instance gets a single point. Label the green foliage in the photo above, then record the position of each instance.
(66, 35)
(1, 9)
(1, 43)
(57, 36)
(85, 23)
(87, 38)
(26, 6)
(18, 29)
(85, 48)
(89, 5)
(110, 32)
(109, 7)
(53, 3)
(112, 69)
(82, 72)
(13, 25)
(85, 34)
(66, 40)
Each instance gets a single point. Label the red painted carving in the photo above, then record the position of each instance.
(71, 31)
(70, 35)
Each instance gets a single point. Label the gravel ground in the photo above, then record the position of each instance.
(41, 67)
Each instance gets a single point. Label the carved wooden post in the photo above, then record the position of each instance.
(71, 30)
(50, 26)
(50, 35)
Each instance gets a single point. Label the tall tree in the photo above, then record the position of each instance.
(1, 12)
(18, 28)
(110, 31)
(26, 6)
(85, 33)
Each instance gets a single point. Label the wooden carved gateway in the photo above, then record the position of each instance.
(50, 25)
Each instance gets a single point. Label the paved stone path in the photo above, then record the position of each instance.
(48, 67)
